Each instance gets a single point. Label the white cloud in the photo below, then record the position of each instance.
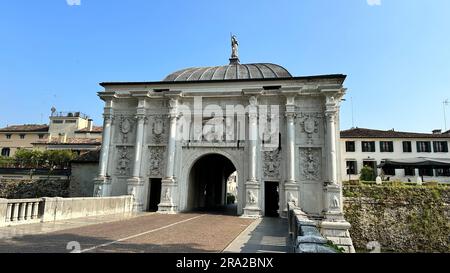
(73, 2)
(374, 2)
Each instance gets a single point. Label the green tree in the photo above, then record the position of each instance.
(47, 159)
(367, 174)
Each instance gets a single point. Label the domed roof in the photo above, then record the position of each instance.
(233, 71)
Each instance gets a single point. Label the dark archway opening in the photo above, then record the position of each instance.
(208, 184)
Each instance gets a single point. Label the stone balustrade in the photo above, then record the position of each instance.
(27, 211)
(20, 211)
(304, 235)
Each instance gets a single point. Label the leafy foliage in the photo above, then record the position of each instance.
(43, 159)
(402, 218)
(367, 174)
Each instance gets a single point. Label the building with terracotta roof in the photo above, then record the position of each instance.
(66, 131)
(396, 155)
(21, 136)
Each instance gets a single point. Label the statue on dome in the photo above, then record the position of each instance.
(234, 47)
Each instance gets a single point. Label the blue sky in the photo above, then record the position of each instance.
(396, 54)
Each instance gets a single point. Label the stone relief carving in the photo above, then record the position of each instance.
(158, 129)
(156, 162)
(213, 129)
(123, 162)
(98, 191)
(229, 129)
(310, 164)
(252, 198)
(335, 203)
(272, 164)
(125, 126)
(291, 198)
(167, 198)
(309, 124)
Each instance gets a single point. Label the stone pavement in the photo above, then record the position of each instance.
(265, 235)
(149, 233)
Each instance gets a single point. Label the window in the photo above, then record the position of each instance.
(386, 146)
(440, 146)
(407, 147)
(443, 172)
(410, 171)
(389, 170)
(41, 136)
(6, 151)
(426, 171)
(22, 136)
(58, 121)
(351, 167)
(349, 146)
(423, 147)
(71, 121)
(8, 136)
(368, 146)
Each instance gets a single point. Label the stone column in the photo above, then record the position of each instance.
(331, 136)
(334, 227)
(136, 182)
(169, 183)
(252, 186)
(290, 140)
(333, 196)
(291, 187)
(102, 183)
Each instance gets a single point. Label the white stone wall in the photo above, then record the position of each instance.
(305, 108)
(398, 153)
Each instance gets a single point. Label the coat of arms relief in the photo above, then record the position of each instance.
(309, 125)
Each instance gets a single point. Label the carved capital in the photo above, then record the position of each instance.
(141, 118)
(331, 115)
(109, 118)
(290, 116)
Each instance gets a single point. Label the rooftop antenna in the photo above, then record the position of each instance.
(53, 110)
(353, 117)
(445, 103)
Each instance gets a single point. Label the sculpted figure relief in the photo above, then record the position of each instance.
(123, 163)
(310, 164)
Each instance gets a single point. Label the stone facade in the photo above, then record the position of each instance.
(281, 130)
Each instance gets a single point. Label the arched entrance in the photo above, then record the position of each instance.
(208, 180)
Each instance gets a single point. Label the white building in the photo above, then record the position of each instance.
(174, 143)
(409, 155)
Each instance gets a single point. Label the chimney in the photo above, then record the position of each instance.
(90, 124)
(437, 132)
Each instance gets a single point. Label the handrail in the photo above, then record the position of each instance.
(304, 234)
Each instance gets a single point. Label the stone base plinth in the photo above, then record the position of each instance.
(102, 186)
(135, 187)
(167, 208)
(252, 212)
(337, 232)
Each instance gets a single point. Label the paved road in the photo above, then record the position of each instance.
(266, 235)
(155, 233)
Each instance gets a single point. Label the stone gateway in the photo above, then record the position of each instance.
(174, 143)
